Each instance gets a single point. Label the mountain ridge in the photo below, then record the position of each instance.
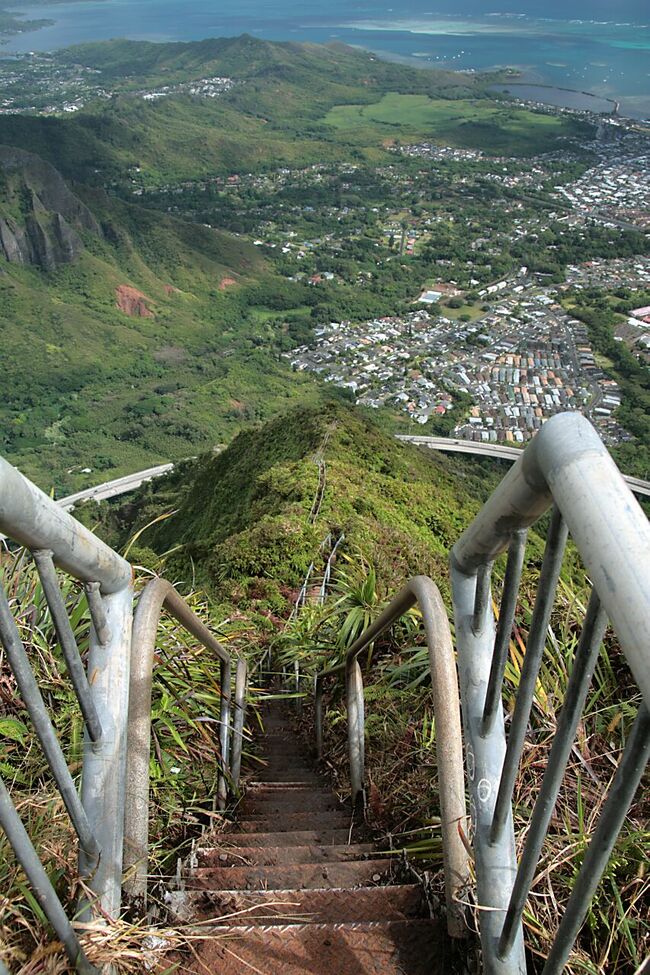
(40, 217)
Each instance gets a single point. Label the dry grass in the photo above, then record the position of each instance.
(184, 771)
(402, 775)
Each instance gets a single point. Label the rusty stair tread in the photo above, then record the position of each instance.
(280, 787)
(274, 855)
(414, 947)
(287, 891)
(350, 873)
(298, 837)
(278, 776)
(306, 906)
(302, 802)
(290, 821)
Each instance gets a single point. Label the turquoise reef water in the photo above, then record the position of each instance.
(598, 46)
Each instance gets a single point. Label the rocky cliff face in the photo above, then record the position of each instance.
(40, 217)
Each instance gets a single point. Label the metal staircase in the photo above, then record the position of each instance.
(292, 838)
(293, 887)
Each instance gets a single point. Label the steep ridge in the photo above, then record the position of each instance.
(40, 217)
(292, 887)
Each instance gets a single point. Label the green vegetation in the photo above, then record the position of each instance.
(463, 123)
(10, 24)
(242, 517)
(113, 392)
(245, 533)
(273, 115)
(633, 376)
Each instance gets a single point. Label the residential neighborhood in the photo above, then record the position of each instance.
(520, 363)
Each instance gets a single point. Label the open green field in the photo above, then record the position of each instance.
(472, 311)
(464, 123)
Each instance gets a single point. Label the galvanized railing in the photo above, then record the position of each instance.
(566, 466)
(29, 517)
(56, 540)
(158, 594)
(423, 592)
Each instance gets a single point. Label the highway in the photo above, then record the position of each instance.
(122, 485)
(500, 451)
(112, 489)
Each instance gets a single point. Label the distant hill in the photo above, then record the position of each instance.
(275, 113)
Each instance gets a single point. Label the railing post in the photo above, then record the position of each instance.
(238, 723)
(224, 735)
(496, 865)
(156, 594)
(103, 791)
(356, 727)
(318, 715)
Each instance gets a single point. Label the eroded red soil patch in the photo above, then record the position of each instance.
(132, 302)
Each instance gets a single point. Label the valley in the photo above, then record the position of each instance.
(211, 207)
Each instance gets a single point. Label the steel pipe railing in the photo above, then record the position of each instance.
(423, 592)
(45, 894)
(159, 594)
(568, 466)
(31, 519)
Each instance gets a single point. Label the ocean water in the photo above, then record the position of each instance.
(601, 46)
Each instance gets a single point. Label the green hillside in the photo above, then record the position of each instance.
(130, 336)
(241, 525)
(276, 113)
(179, 367)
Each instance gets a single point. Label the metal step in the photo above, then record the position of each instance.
(315, 906)
(374, 948)
(269, 856)
(277, 776)
(272, 789)
(254, 876)
(281, 805)
(304, 837)
(291, 821)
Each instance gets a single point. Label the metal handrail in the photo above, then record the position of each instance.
(31, 519)
(568, 466)
(425, 593)
(159, 594)
(114, 699)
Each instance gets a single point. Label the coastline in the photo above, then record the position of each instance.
(62, 30)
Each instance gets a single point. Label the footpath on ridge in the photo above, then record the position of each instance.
(290, 888)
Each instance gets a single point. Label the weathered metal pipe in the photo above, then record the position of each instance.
(104, 766)
(63, 627)
(424, 592)
(32, 519)
(158, 594)
(238, 722)
(566, 463)
(40, 883)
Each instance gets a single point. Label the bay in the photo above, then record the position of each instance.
(602, 48)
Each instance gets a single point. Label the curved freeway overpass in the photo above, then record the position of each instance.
(499, 451)
(122, 485)
(113, 489)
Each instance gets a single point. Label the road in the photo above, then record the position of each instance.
(112, 489)
(122, 485)
(500, 451)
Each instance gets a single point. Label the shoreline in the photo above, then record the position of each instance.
(6, 37)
